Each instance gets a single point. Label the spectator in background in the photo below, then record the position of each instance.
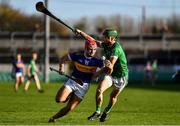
(147, 72)
(19, 70)
(33, 74)
(154, 71)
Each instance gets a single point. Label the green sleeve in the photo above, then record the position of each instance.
(117, 50)
(32, 66)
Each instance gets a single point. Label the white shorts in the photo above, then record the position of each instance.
(117, 82)
(78, 90)
(19, 74)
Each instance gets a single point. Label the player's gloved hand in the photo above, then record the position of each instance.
(61, 68)
(108, 63)
(108, 67)
(77, 31)
(61, 71)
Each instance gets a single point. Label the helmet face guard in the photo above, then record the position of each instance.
(90, 47)
(90, 43)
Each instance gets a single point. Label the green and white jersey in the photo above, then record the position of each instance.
(120, 68)
(32, 67)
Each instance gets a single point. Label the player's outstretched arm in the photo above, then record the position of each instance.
(87, 37)
(83, 34)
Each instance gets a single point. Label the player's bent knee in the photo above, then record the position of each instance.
(59, 100)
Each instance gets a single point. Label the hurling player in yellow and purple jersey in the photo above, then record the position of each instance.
(117, 74)
(19, 68)
(85, 65)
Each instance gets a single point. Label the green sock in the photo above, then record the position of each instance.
(107, 109)
(98, 109)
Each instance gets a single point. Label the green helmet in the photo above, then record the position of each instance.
(110, 33)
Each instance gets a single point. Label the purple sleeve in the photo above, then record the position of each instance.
(72, 56)
(100, 63)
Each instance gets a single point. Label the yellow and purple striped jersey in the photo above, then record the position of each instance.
(84, 67)
(18, 69)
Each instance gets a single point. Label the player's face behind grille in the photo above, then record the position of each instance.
(108, 40)
(90, 51)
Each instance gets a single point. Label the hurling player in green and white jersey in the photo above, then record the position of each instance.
(32, 74)
(116, 75)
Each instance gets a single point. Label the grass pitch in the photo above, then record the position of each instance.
(137, 105)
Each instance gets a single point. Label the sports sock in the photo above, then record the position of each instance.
(107, 109)
(98, 109)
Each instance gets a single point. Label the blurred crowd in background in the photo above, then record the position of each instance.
(151, 43)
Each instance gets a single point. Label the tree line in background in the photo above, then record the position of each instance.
(14, 20)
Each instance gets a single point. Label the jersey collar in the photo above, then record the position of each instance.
(87, 56)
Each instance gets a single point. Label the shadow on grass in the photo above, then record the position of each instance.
(158, 86)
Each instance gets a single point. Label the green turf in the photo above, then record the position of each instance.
(137, 105)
